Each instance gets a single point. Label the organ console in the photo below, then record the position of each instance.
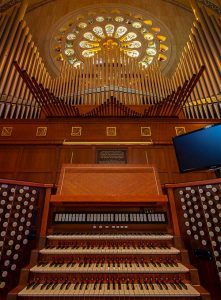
(122, 242)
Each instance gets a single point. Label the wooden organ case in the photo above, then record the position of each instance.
(109, 233)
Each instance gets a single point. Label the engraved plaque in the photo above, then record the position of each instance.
(76, 131)
(41, 131)
(6, 131)
(111, 131)
(145, 131)
(111, 156)
(180, 130)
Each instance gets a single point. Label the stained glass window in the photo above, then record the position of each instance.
(121, 30)
(99, 31)
(69, 52)
(109, 29)
(90, 36)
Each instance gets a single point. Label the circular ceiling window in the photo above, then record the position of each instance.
(90, 32)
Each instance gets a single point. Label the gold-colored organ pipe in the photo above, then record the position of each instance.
(190, 70)
(145, 86)
(8, 45)
(17, 87)
(98, 79)
(72, 85)
(13, 74)
(5, 30)
(3, 23)
(207, 57)
(115, 81)
(211, 45)
(206, 86)
(207, 72)
(211, 31)
(6, 67)
(157, 83)
(148, 84)
(63, 85)
(69, 73)
(135, 85)
(125, 78)
(216, 26)
(60, 80)
(144, 92)
(163, 86)
(156, 92)
(67, 97)
(193, 61)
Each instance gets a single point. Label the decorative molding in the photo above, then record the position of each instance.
(41, 131)
(76, 131)
(145, 131)
(180, 130)
(117, 143)
(6, 131)
(111, 131)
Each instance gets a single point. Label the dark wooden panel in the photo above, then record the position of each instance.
(38, 159)
(46, 177)
(8, 158)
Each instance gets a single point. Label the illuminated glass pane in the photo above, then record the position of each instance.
(68, 45)
(119, 19)
(82, 25)
(100, 19)
(77, 64)
(162, 57)
(152, 44)
(109, 29)
(88, 53)
(86, 44)
(148, 59)
(72, 60)
(71, 36)
(121, 30)
(99, 31)
(161, 38)
(129, 37)
(133, 44)
(148, 22)
(132, 53)
(136, 24)
(156, 29)
(163, 48)
(90, 36)
(144, 64)
(148, 36)
(143, 30)
(151, 51)
(69, 52)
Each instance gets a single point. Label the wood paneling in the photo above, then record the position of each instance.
(37, 159)
(26, 156)
(9, 158)
(106, 179)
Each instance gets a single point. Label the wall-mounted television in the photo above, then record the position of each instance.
(199, 149)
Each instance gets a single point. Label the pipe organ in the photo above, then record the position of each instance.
(110, 73)
(117, 243)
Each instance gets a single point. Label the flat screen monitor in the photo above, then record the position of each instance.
(199, 149)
